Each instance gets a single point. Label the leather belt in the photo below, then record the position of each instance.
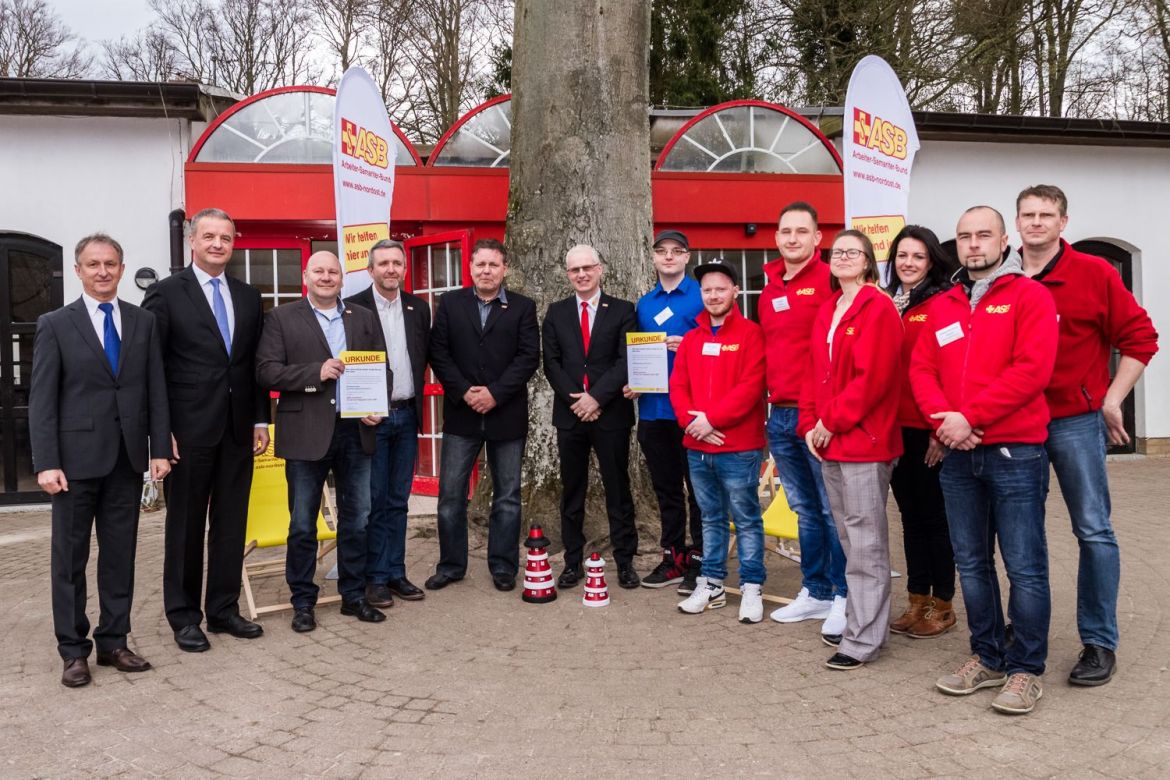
(406, 403)
(785, 406)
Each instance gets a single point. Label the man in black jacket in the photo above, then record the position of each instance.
(485, 346)
(584, 340)
(406, 324)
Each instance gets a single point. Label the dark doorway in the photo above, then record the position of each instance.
(1123, 262)
(30, 280)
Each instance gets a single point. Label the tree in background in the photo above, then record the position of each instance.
(699, 54)
(34, 43)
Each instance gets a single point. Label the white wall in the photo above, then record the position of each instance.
(1115, 194)
(65, 177)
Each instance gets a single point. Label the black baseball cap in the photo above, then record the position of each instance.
(672, 235)
(716, 265)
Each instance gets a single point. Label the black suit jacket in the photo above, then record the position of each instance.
(205, 386)
(80, 410)
(416, 315)
(292, 349)
(566, 364)
(502, 356)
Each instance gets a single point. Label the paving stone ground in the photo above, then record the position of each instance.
(472, 682)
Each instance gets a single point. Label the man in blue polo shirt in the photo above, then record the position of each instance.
(670, 307)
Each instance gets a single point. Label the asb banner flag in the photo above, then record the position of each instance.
(879, 146)
(363, 174)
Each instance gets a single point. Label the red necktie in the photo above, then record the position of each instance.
(585, 336)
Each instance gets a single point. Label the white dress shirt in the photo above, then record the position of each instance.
(98, 318)
(394, 329)
(204, 279)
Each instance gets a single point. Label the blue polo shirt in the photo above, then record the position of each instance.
(683, 305)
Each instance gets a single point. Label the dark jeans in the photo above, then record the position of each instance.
(613, 459)
(111, 503)
(997, 491)
(391, 477)
(666, 459)
(727, 484)
(930, 563)
(458, 458)
(306, 479)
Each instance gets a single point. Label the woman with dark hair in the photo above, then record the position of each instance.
(849, 419)
(921, 270)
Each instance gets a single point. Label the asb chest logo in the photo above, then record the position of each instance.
(363, 144)
(807, 291)
(1003, 308)
(731, 347)
(850, 331)
(918, 317)
(873, 132)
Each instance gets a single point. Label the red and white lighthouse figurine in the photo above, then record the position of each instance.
(596, 591)
(539, 587)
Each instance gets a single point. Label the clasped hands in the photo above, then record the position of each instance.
(585, 406)
(700, 428)
(955, 432)
(480, 399)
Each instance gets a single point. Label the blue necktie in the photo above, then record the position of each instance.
(113, 344)
(220, 310)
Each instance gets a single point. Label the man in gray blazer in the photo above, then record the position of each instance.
(98, 393)
(299, 356)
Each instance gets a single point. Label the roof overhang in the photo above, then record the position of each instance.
(75, 97)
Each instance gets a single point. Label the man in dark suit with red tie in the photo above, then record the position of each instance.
(209, 324)
(97, 419)
(585, 362)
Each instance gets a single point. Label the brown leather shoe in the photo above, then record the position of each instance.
(938, 620)
(75, 673)
(919, 606)
(124, 660)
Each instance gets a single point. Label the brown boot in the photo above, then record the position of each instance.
(919, 606)
(938, 620)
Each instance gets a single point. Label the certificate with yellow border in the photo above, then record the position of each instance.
(646, 363)
(364, 389)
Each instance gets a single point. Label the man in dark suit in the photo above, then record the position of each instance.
(98, 393)
(299, 355)
(209, 325)
(485, 346)
(406, 325)
(584, 339)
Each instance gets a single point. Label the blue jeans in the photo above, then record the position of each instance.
(822, 559)
(458, 457)
(1076, 446)
(306, 479)
(391, 477)
(729, 481)
(994, 491)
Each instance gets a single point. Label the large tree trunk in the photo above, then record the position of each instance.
(580, 173)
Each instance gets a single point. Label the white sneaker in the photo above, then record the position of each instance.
(708, 595)
(803, 607)
(835, 623)
(751, 603)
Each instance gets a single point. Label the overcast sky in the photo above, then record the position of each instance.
(96, 20)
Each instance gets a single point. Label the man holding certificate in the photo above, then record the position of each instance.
(323, 425)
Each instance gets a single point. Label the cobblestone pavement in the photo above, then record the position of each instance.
(471, 682)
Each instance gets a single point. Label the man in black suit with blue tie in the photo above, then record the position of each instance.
(98, 395)
(209, 325)
(584, 339)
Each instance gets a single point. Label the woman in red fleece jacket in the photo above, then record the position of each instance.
(849, 418)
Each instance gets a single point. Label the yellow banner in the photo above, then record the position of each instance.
(881, 231)
(357, 240)
(644, 338)
(352, 356)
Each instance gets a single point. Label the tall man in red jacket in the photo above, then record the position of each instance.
(1097, 314)
(981, 377)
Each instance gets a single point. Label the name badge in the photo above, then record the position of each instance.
(663, 316)
(780, 304)
(712, 348)
(952, 332)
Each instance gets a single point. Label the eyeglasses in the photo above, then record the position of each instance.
(851, 254)
(583, 269)
(678, 251)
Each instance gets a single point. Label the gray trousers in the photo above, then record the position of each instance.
(857, 496)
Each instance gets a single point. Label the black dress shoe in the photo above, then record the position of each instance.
(843, 663)
(832, 640)
(304, 620)
(191, 639)
(379, 596)
(627, 577)
(439, 581)
(362, 610)
(405, 589)
(504, 582)
(569, 578)
(76, 673)
(1095, 667)
(237, 626)
(124, 660)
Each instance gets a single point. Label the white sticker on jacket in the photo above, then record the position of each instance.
(780, 303)
(663, 316)
(712, 348)
(952, 332)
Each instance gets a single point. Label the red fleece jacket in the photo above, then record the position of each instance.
(787, 310)
(855, 392)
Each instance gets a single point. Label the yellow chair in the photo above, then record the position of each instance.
(268, 527)
(780, 524)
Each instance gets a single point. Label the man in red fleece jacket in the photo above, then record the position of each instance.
(1097, 315)
(981, 376)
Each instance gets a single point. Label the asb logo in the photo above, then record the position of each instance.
(1003, 308)
(918, 317)
(807, 291)
(873, 132)
(731, 347)
(363, 144)
(850, 331)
